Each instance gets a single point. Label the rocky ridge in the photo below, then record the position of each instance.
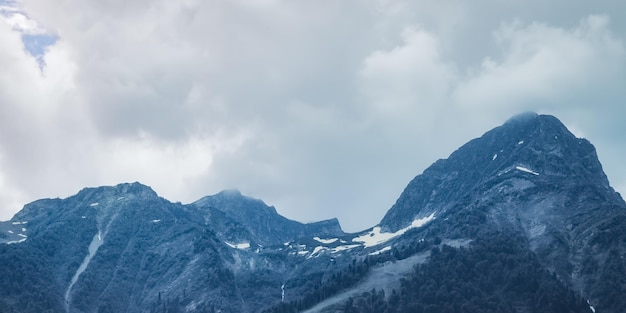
(528, 195)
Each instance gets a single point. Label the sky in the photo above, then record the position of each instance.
(320, 108)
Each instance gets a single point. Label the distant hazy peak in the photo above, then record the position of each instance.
(522, 118)
(532, 122)
(230, 199)
(230, 193)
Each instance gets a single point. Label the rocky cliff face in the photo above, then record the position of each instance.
(523, 218)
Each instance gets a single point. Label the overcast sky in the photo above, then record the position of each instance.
(321, 108)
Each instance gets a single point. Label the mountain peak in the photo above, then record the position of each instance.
(536, 126)
(527, 144)
(231, 193)
(135, 190)
(522, 118)
(261, 222)
(232, 200)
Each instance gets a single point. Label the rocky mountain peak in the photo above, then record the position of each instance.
(127, 190)
(529, 144)
(255, 221)
(231, 201)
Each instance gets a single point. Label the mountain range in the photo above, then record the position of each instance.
(521, 219)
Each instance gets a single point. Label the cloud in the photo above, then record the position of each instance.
(19, 21)
(36, 38)
(293, 102)
(178, 164)
(540, 64)
(402, 81)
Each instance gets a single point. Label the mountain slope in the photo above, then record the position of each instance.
(528, 184)
(530, 177)
(124, 249)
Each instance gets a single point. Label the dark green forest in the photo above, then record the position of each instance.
(493, 275)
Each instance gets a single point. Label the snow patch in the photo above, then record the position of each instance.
(22, 235)
(10, 232)
(240, 246)
(344, 248)
(16, 241)
(520, 142)
(94, 204)
(19, 223)
(376, 237)
(282, 293)
(96, 242)
(387, 248)
(494, 157)
(326, 241)
(591, 307)
(83, 217)
(316, 251)
(155, 221)
(23, 229)
(523, 169)
(121, 198)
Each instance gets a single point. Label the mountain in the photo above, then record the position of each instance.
(527, 149)
(521, 219)
(532, 177)
(124, 249)
(241, 218)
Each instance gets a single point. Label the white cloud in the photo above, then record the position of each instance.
(316, 113)
(11, 198)
(19, 21)
(542, 65)
(409, 77)
(169, 167)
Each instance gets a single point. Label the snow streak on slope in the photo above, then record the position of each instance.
(96, 242)
(325, 241)
(282, 293)
(385, 249)
(376, 237)
(523, 169)
(240, 246)
(16, 241)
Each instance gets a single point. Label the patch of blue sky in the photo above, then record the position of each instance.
(35, 39)
(36, 44)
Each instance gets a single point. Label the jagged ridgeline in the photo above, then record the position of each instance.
(522, 219)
